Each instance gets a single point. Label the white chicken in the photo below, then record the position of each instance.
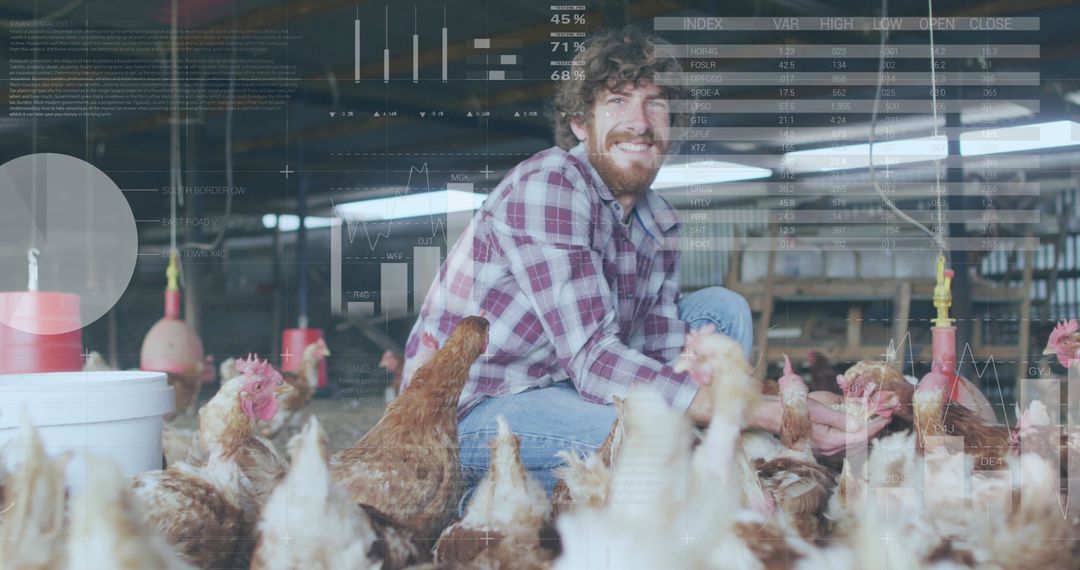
(107, 531)
(641, 523)
(222, 429)
(310, 523)
(501, 527)
(227, 370)
(734, 529)
(585, 481)
(95, 362)
(32, 521)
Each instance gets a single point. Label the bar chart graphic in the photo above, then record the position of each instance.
(362, 47)
(363, 244)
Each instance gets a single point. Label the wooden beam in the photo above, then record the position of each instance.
(901, 317)
(762, 336)
(854, 325)
(1025, 316)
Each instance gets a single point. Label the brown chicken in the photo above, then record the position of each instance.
(822, 373)
(407, 466)
(259, 461)
(179, 444)
(988, 444)
(107, 530)
(206, 512)
(303, 384)
(1064, 342)
(798, 484)
(32, 522)
(502, 523)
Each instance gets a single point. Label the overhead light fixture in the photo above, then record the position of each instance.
(993, 111)
(886, 153)
(291, 222)
(705, 172)
(410, 205)
(1039, 136)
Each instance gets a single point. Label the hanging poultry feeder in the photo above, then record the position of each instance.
(943, 333)
(293, 341)
(171, 345)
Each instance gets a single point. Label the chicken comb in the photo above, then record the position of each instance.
(252, 365)
(787, 366)
(1063, 329)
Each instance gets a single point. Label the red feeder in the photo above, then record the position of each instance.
(293, 342)
(944, 346)
(40, 332)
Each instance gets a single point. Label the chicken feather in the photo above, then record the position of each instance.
(32, 524)
(407, 466)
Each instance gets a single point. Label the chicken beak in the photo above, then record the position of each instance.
(283, 388)
(1049, 350)
(682, 364)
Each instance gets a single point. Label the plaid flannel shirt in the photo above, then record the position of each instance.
(571, 293)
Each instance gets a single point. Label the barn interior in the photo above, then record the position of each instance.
(286, 171)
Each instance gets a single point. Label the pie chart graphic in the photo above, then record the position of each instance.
(83, 231)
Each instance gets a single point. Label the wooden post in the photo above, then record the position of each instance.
(1025, 315)
(761, 338)
(734, 269)
(901, 316)
(854, 324)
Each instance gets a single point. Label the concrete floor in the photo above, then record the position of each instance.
(344, 419)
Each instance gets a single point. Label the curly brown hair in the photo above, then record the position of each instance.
(611, 59)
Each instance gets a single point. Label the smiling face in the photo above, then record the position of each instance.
(627, 136)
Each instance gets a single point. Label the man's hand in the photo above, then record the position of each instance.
(832, 430)
(700, 410)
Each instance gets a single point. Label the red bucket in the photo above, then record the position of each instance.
(40, 332)
(293, 342)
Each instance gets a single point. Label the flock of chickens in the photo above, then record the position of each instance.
(942, 488)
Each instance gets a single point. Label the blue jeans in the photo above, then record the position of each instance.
(555, 418)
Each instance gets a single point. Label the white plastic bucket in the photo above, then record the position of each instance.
(115, 414)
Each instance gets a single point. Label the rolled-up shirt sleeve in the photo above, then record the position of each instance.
(544, 229)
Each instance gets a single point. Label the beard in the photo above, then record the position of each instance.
(632, 180)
